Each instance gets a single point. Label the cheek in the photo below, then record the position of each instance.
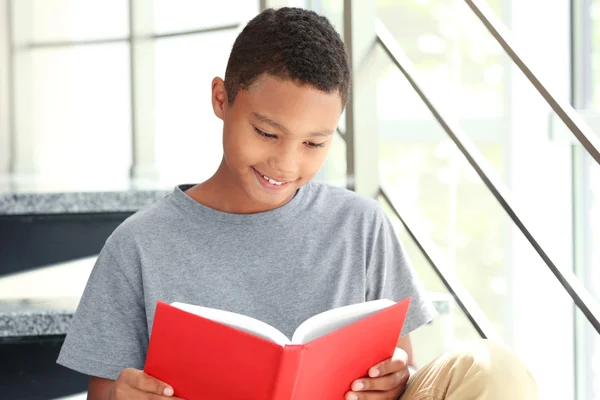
(313, 162)
(231, 146)
(242, 149)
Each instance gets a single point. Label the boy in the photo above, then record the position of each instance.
(259, 238)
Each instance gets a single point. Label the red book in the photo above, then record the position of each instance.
(211, 354)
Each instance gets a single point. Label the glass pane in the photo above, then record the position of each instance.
(452, 52)
(423, 170)
(189, 135)
(473, 82)
(184, 15)
(451, 326)
(79, 114)
(66, 20)
(477, 241)
(430, 179)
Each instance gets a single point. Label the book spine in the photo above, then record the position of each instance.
(287, 375)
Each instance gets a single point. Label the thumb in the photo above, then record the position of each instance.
(141, 381)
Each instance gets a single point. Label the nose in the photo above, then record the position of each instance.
(284, 160)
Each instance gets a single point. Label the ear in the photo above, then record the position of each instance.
(219, 97)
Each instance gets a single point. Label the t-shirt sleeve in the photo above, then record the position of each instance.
(108, 332)
(390, 275)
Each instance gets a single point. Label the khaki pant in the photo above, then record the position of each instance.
(475, 371)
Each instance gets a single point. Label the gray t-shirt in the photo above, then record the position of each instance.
(326, 248)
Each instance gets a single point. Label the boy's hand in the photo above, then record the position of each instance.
(136, 384)
(386, 381)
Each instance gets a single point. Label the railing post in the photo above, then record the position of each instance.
(362, 131)
(587, 344)
(6, 131)
(23, 146)
(143, 82)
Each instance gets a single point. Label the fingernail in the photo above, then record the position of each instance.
(352, 396)
(358, 385)
(374, 372)
(168, 391)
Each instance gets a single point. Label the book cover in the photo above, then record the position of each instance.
(204, 359)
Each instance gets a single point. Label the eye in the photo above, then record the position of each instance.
(314, 145)
(264, 134)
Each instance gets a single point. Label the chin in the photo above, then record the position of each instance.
(272, 200)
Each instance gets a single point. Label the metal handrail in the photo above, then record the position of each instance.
(467, 304)
(567, 114)
(582, 298)
(464, 300)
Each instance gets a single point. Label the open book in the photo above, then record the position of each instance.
(206, 353)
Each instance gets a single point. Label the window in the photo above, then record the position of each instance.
(474, 82)
(77, 99)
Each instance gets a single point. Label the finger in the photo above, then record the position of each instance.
(141, 381)
(157, 397)
(394, 381)
(398, 362)
(124, 391)
(370, 396)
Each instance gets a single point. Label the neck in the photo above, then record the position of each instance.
(222, 192)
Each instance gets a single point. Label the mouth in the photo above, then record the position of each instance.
(270, 182)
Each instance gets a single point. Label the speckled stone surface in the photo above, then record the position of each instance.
(39, 317)
(77, 202)
(21, 318)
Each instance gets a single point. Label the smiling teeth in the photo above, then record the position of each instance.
(272, 181)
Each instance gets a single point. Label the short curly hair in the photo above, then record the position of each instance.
(289, 43)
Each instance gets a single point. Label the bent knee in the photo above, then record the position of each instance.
(494, 368)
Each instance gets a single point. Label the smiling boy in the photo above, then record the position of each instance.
(258, 237)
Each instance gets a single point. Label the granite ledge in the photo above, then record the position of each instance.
(78, 202)
(36, 317)
(34, 324)
(26, 318)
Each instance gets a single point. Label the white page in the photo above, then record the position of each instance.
(238, 321)
(331, 320)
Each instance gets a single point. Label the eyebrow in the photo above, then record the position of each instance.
(282, 128)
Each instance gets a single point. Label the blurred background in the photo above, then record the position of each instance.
(112, 98)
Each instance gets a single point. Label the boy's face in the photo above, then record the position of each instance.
(276, 135)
